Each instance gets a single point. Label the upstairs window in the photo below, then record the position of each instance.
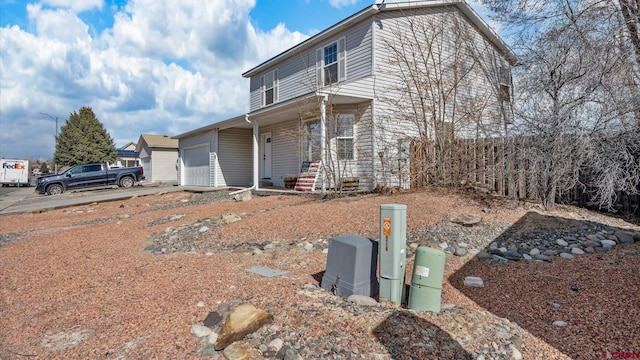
(505, 84)
(269, 88)
(345, 137)
(331, 63)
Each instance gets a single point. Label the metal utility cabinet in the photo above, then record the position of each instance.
(351, 266)
(392, 250)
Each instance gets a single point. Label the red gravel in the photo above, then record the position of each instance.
(77, 283)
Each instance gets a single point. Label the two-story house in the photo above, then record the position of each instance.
(353, 98)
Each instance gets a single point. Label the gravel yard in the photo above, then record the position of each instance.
(129, 279)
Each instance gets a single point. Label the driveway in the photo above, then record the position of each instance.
(26, 200)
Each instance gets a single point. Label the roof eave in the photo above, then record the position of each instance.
(373, 9)
(327, 32)
(216, 125)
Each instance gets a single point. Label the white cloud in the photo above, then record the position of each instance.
(342, 3)
(75, 5)
(164, 67)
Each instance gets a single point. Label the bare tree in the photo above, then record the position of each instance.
(445, 81)
(578, 93)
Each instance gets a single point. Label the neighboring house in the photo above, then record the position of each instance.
(158, 155)
(127, 155)
(337, 99)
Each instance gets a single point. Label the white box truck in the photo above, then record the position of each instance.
(14, 172)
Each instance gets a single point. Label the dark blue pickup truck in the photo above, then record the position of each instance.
(86, 176)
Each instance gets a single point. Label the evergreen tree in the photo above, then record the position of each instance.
(44, 168)
(83, 139)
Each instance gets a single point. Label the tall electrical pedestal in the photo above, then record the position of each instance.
(392, 252)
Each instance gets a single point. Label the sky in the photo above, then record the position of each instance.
(143, 66)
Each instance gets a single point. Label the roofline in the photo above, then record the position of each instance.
(374, 9)
(217, 125)
(143, 138)
(338, 26)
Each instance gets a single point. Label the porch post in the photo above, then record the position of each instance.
(323, 141)
(216, 165)
(256, 154)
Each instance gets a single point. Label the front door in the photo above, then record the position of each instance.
(266, 155)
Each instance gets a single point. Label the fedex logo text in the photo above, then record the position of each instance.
(13, 166)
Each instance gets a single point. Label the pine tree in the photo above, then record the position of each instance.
(44, 168)
(83, 139)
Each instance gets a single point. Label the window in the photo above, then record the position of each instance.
(269, 88)
(504, 90)
(330, 63)
(92, 168)
(344, 138)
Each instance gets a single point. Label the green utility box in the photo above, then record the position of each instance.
(426, 282)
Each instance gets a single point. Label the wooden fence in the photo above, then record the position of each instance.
(499, 165)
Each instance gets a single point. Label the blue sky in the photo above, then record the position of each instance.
(143, 66)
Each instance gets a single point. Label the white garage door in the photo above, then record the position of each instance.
(196, 166)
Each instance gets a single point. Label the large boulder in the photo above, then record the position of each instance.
(624, 237)
(464, 219)
(242, 320)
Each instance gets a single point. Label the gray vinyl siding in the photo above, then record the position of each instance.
(297, 74)
(479, 87)
(476, 87)
(196, 140)
(285, 150)
(360, 166)
(235, 157)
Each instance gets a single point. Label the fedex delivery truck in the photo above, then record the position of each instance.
(14, 172)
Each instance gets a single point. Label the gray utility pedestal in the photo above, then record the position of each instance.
(351, 266)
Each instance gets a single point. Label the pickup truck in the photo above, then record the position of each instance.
(87, 176)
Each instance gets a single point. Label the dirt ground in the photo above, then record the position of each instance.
(78, 282)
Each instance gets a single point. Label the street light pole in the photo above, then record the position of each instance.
(55, 165)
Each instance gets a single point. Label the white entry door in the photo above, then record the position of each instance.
(266, 155)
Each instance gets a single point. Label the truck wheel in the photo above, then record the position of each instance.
(126, 182)
(54, 189)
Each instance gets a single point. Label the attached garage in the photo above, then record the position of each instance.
(217, 155)
(197, 171)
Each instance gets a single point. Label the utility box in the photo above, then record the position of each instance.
(392, 250)
(351, 266)
(425, 292)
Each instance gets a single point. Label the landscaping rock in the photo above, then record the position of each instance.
(464, 219)
(624, 237)
(242, 320)
(362, 300)
(236, 352)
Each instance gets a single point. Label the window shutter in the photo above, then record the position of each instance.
(275, 86)
(262, 98)
(319, 61)
(342, 59)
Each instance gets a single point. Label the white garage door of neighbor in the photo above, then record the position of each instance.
(196, 166)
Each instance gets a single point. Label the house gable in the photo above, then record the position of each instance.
(299, 69)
